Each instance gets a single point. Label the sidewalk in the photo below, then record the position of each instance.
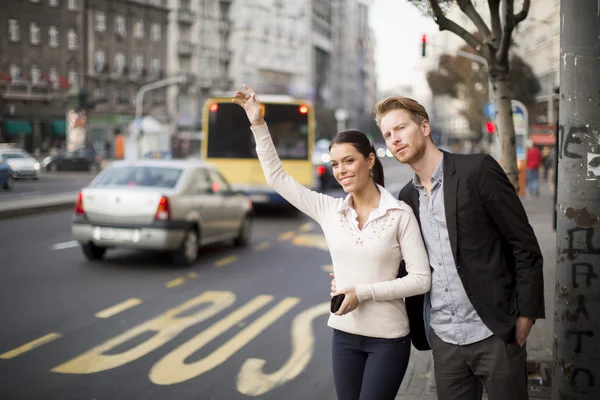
(419, 383)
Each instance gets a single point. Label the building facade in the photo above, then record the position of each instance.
(41, 60)
(126, 48)
(198, 46)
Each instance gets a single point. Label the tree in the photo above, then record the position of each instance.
(493, 44)
(459, 77)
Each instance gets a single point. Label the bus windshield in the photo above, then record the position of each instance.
(229, 134)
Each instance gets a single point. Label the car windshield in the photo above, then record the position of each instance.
(140, 176)
(7, 156)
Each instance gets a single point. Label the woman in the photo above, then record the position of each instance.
(368, 233)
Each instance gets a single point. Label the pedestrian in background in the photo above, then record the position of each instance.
(532, 174)
(368, 233)
(487, 286)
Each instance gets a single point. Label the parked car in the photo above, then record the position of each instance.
(82, 159)
(323, 170)
(175, 206)
(22, 164)
(6, 175)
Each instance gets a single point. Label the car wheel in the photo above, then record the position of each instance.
(8, 185)
(243, 237)
(53, 168)
(187, 253)
(93, 252)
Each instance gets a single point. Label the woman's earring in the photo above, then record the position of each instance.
(371, 174)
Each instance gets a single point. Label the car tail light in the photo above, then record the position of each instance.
(79, 205)
(321, 170)
(163, 211)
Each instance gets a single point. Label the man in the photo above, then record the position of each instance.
(532, 174)
(487, 279)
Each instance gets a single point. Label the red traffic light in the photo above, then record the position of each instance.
(424, 38)
(490, 127)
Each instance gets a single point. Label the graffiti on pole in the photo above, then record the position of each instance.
(578, 141)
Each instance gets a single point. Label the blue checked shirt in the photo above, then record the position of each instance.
(451, 314)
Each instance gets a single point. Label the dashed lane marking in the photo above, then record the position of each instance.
(30, 346)
(65, 245)
(118, 308)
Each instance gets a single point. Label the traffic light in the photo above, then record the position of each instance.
(490, 127)
(423, 44)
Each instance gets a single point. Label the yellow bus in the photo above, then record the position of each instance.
(229, 144)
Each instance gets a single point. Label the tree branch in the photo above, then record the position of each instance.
(494, 6)
(502, 53)
(523, 14)
(446, 24)
(466, 6)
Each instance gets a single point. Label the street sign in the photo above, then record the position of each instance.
(490, 110)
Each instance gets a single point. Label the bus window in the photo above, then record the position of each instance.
(229, 134)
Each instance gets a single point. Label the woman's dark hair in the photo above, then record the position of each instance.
(363, 145)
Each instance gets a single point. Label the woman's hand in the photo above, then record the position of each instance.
(248, 101)
(350, 302)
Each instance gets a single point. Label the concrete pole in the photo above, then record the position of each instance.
(576, 367)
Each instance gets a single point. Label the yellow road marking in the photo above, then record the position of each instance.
(225, 261)
(286, 236)
(30, 346)
(253, 381)
(175, 282)
(125, 305)
(316, 240)
(164, 327)
(306, 227)
(192, 275)
(261, 246)
(327, 268)
(172, 368)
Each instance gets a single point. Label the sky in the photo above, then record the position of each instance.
(398, 27)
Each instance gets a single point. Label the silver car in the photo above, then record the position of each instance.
(167, 205)
(23, 165)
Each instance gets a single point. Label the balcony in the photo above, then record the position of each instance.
(184, 48)
(185, 16)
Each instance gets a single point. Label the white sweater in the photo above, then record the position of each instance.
(367, 259)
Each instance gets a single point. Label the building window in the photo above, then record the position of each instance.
(100, 94)
(72, 5)
(53, 75)
(15, 73)
(140, 69)
(138, 29)
(53, 3)
(155, 32)
(36, 75)
(14, 33)
(121, 96)
(155, 66)
(100, 62)
(120, 63)
(73, 78)
(99, 21)
(53, 36)
(34, 33)
(120, 27)
(72, 39)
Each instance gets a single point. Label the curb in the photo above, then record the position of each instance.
(38, 205)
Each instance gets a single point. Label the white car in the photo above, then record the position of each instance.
(167, 205)
(23, 165)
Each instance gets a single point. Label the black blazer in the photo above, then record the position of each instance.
(494, 247)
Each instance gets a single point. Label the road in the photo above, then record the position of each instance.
(239, 323)
(49, 183)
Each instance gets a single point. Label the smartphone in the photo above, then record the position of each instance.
(336, 302)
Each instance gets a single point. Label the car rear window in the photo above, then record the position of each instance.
(13, 155)
(140, 176)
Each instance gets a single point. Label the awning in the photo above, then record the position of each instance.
(16, 127)
(543, 139)
(58, 127)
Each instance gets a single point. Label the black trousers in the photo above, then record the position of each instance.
(461, 372)
(367, 368)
